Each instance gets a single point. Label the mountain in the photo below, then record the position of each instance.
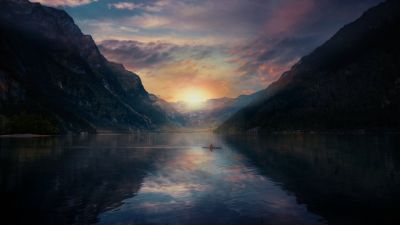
(213, 112)
(351, 82)
(54, 79)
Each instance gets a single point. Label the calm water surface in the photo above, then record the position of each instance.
(170, 179)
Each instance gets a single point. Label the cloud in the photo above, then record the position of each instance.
(125, 5)
(137, 55)
(148, 21)
(70, 3)
(233, 16)
(155, 6)
(140, 55)
(267, 58)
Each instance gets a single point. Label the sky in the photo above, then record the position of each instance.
(209, 48)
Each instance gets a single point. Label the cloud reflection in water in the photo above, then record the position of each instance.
(196, 186)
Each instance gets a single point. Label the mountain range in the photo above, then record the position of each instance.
(351, 82)
(53, 79)
(211, 113)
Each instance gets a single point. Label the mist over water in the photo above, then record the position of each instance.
(172, 179)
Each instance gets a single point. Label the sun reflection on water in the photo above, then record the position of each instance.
(191, 183)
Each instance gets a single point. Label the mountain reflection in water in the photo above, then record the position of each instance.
(170, 179)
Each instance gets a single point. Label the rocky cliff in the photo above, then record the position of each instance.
(54, 79)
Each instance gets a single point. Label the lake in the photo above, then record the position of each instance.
(296, 179)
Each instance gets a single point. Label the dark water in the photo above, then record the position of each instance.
(170, 179)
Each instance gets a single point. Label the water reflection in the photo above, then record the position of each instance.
(68, 180)
(171, 179)
(348, 179)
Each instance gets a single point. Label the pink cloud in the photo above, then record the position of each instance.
(289, 16)
(71, 3)
(125, 5)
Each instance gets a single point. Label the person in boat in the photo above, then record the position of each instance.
(211, 146)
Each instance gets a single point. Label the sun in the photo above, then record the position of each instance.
(194, 97)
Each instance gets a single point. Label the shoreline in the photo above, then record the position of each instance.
(25, 135)
(290, 132)
(335, 132)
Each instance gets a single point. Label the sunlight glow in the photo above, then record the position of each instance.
(194, 97)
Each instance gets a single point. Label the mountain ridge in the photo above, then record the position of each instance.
(350, 82)
(54, 77)
(212, 112)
